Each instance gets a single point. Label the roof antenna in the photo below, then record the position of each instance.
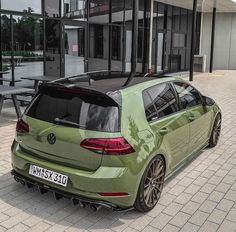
(134, 42)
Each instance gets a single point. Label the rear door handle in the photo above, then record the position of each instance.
(164, 131)
(191, 118)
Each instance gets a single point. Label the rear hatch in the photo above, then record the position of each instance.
(60, 118)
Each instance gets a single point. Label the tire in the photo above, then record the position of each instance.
(151, 185)
(216, 130)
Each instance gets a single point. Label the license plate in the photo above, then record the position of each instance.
(48, 175)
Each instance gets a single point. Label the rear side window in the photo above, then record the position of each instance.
(189, 97)
(159, 101)
(88, 111)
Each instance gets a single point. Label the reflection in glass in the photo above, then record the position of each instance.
(74, 50)
(99, 46)
(99, 11)
(28, 46)
(52, 8)
(53, 47)
(32, 6)
(5, 64)
(117, 11)
(76, 9)
(117, 48)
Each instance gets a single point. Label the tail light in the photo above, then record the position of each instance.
(22, 127)
(113, 146)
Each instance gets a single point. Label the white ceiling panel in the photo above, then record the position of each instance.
(204, 5)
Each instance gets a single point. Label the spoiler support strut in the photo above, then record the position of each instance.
(134, 42)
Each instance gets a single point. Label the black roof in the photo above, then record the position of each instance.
(103, 81)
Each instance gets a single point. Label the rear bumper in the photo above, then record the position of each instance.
(82, 185)
(60, 194)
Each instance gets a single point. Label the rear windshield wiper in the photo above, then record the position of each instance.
(68, 123)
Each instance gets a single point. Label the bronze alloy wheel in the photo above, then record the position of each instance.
(217, 130)
(151, 185)
(215, 135)
(154, 182)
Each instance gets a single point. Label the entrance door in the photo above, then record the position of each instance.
(74, 43)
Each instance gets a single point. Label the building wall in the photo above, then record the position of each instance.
(225, 40)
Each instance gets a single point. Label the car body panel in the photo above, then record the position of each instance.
(67, 149)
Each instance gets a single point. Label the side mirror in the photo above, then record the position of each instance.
(207, 101)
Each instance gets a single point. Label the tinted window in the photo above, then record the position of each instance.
(150, 109)
(162, 99)
(90, 111)
(189, 97)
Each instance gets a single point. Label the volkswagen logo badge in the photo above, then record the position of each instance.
(51, 139)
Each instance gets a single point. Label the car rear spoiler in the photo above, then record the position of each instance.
(86, 94)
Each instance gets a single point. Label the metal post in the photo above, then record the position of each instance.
(150, 38)
(145, 38)
(110, 36)
(12, 53)
(213, 39)
(194, 22)
(1, 68)
(134, 42)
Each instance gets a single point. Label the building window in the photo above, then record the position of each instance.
(99, 12)
(75, 9)
(116, 42)
(52, 8)
(32, 6)
(98, 42)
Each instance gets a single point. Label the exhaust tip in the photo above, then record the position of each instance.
(82, 204)
(57, 196)
(16, 179)
(29, 185)
(22, 182)
(94, 207)
(75, 201)
(42, 190)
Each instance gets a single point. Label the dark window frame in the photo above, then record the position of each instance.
(169, 83)
(179, 100)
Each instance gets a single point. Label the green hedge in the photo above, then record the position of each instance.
(20, 53)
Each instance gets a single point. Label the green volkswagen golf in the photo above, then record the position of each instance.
(104, 145)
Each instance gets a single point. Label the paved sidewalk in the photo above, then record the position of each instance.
(202, 197)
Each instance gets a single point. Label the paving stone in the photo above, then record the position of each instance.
(209, 227)
(177, 190)
(231, 195)
(183, 198)
(141, 222)
(161, 221)
(170, 228)
(208, 206)
(208, 188)
(189, 227)
(217, 216)
(150, 229)
(173, 209)
(222, 187)
(198, 218)
(192, 189)
(216, 196)
(186, 181)
(225, 205)
(227, 226)
(200, 197)
(232, 215)
(180, 219)
(191, 207)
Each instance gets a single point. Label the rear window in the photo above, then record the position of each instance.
(90, 111)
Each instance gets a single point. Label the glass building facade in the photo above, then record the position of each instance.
(68, 37)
